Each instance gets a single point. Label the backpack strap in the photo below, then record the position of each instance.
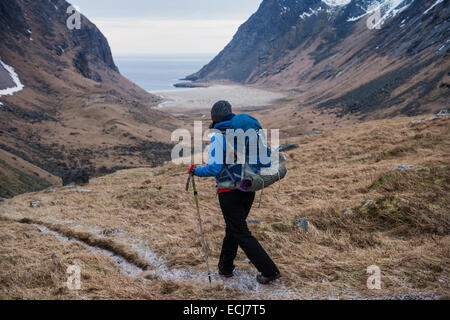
(262, 192)
(226, 173)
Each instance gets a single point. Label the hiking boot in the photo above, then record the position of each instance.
(226, 275)
(267, 280)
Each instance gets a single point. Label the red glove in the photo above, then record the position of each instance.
(191, 169)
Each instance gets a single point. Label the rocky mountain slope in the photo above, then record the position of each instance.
(359, 57)
(63, 102)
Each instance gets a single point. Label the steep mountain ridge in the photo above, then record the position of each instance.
(324, 51)
(75, 109)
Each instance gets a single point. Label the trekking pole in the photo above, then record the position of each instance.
(205, 249)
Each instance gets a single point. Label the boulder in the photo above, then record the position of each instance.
(411, 123)
(35, 203)
(310, 133)
(405, 167)
(79, 176)
(303, 224)
(288, 147)
(346, 211)
(70, 185)
(1, 199)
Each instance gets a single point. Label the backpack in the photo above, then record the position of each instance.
(258, 170)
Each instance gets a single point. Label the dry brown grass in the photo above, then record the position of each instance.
(29, 270)
(405, 231)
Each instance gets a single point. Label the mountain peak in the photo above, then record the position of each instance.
(338, 46)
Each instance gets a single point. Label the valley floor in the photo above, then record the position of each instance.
(276, 108)
(202, 99)
(144, 217)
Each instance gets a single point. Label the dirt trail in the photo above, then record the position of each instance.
(157, 269)
(125, 267)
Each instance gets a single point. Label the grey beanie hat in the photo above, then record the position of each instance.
(220, 110)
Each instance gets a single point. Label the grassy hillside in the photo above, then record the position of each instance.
(76, 110)
(145, 216)
(19, 176)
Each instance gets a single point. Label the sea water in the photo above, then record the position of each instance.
(160, 72)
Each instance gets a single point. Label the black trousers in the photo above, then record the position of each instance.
(235, 207)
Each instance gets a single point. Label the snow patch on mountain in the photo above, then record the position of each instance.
(336, 3)
(284, 10)
(434, 5)
(309, 13)
(387, 8)
(19, 86)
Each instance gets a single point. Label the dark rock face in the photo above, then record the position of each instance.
(81, 64)
(75, 176)
(259, 42)
(378, 93)
(288, 147)
(280, 26)
(94, 52)
(11, 19)
(93, 48)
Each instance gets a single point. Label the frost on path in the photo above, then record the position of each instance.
(125, 267)
(243, 281)
(14, 77)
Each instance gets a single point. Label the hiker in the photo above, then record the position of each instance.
(235, 205)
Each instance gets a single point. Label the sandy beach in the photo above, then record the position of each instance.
(203, 98)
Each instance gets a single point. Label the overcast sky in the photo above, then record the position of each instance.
(168, 26)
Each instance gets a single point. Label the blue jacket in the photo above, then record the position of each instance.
(215, 164)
